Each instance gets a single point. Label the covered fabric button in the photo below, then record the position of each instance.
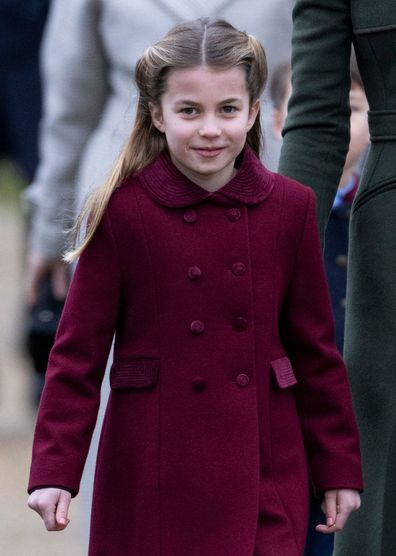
(197, 327)
(238, 269)
(199, 384)
(190, 216)
(242, 379)
(240, 324)
(233, 214)
(194, 272)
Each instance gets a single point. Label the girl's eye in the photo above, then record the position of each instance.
(189, 111)
(229, 109)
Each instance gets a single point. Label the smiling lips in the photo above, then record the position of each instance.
(208, 152)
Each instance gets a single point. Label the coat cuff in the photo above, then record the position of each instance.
(38, 487)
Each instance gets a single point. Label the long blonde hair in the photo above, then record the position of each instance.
(209, 42)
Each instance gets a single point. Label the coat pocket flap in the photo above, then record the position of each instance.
(134, 373)
(283, 372)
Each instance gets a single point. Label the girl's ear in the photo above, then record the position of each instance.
(254, 110)
(156, 116)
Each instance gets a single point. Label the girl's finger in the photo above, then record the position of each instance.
(347, 503)
(62, 509)
(331, 507)
(47, 512)
(342, 517)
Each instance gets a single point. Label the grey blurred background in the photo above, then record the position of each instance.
(21, 531)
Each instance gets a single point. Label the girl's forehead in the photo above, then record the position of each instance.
(199, 79)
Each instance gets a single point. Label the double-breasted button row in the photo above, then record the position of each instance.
(195, 273)
(239, 324)
(233, 214)
(199, 383)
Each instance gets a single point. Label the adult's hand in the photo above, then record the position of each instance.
(40, 267)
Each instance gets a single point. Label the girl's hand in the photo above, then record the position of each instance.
(52, 504)
(337, 505)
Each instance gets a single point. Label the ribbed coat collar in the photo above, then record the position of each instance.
(168, 186)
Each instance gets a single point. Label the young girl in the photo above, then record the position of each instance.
(226, 386)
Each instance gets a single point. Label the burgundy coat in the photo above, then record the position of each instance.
(224, 365)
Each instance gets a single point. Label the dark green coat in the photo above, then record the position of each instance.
(316, 141)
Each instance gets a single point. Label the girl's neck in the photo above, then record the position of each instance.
(214, 185)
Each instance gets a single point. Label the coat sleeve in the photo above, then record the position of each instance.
(316, 134)
(75, 90)
(71, 397)
(322, 392)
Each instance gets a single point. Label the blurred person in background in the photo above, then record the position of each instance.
(21, 30)
(90, 50)
(316, 139)
(336, 238)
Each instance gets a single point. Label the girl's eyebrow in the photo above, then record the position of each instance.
(195, 103)
(187, 101)
(230, 100)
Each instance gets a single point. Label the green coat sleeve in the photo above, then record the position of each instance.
(316, 134)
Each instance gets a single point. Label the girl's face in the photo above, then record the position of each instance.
(205, 114)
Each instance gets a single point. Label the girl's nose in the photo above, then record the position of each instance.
(209, 128)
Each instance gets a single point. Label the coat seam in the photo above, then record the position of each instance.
(258, 413)
(277, 251)
(115, 242)
(302, 418)
(276, 262)
(147, 244)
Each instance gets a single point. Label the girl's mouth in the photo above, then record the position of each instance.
(208, 152)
